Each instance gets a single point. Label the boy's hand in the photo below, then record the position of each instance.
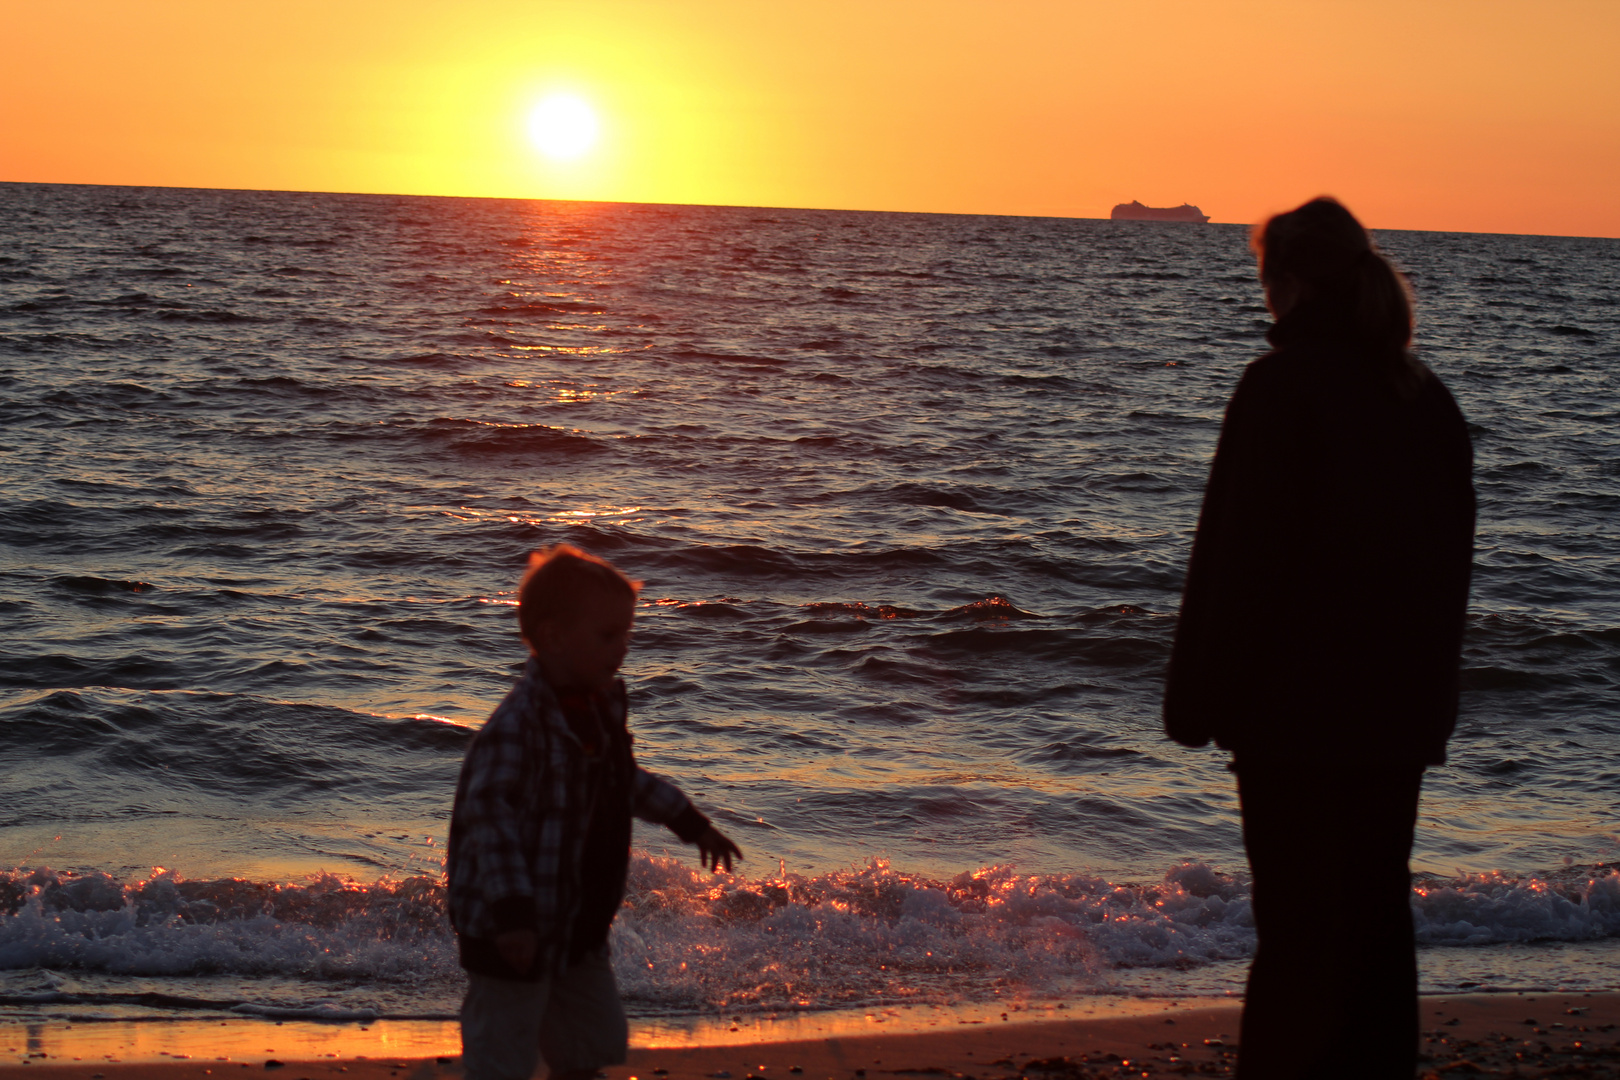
(517, 948)
(715, 847)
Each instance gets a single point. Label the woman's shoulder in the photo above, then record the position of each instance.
(1433, 390)
(1281, 377)
(1313, 392)
(1442, 412)
(1300, 363)
(1343, 372)
(1268, 369)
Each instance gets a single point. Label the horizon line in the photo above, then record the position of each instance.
(738, 206)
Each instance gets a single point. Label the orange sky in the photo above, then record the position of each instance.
(1420, 114)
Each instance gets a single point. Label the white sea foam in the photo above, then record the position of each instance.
(690, 942)
(1578, 904)
(323, 929)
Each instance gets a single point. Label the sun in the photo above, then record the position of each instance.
(563, 127)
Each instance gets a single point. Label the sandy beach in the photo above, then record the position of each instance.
(1519, 1035)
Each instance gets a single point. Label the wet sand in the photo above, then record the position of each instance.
(1524, 1035)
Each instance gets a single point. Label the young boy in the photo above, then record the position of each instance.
(540, 834)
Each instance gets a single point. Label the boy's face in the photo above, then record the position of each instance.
(585, 652)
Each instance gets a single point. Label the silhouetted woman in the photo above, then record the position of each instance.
(1319, 641)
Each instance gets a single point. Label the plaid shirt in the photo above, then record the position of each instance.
(523, 806)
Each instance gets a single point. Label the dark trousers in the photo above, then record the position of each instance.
(1333, 988)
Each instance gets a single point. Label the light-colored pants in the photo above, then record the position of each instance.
(574, 1020)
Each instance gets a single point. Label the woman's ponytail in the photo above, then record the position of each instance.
(1383, 302)
(1383, 319)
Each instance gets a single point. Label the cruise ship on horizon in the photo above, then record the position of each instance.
(1135, 211)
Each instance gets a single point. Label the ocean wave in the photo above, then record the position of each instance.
(326, 929)
(201, 315)
(990, 609)
(90, 585)
(231, 744)
(551, 306)
(1576, 904)
(479, 437)
(687, 940)
(322, 1012)
(954, 497)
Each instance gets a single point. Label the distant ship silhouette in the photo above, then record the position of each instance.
(1135, 211)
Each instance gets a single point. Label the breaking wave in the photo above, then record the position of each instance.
(687, 942)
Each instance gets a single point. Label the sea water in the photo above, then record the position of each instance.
(912, 496)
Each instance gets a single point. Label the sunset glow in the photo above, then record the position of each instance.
(563, 127)
(1500, 116)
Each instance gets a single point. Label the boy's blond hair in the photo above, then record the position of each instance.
(560, 580)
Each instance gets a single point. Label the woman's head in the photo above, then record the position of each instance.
(1320, 253)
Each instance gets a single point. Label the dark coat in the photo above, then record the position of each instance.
(1323, 610)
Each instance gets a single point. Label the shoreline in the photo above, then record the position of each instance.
(1522, 1033)
(172, 1038)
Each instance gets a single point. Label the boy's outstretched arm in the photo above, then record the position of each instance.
(661, 802)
